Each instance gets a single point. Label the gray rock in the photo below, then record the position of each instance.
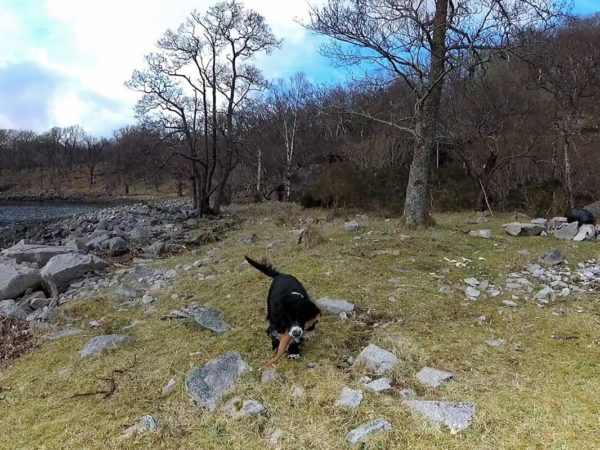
(63, 334)
(37, 303)
(567, 232)
(269, 376)
(353, 225)
(210, 319)
(586, 233)
(472, 292)
(118, 246)
(456, 416)
(139, 234)
(446, 290)
(485, 234)
(557, 222)
(407, 393)
(171, 274)
(540, 222)
(510, 303)
(363, 432)
(545, 293)
(379, 385)
(513, 229)
(298, 392)
(169, 387)
(33, 253)
(125, 291)
(100, 343)
(76, 243)
(376, 359)
(98, 242)
(15, 279)
(155, 249)
(336, 306)
(147, 299)
(41, 315)
(8, 308)
(349, 398)
(552, 257)
(523, 229)
(495, 342)
(63, 269)
(145, 424)
(207, 384)
(237, 408)
(471, 282)
(432, 377)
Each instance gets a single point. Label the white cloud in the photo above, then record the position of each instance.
(97, 45)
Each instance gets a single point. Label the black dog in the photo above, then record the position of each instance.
(290, 312)
(581, 215)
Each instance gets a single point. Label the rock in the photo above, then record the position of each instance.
(567, 232)
(124, 291)
(446, 290)
(471, 282)
(510, 303)
(407, 393)
(171, 274)
(207, 384)
(336, 306)
(363, 432)
(585, 233)
(298, 392)
(483, 320)
(37, 303)
(63, 269)
(456, 416)
(145, 424)
(349, 398)
(540, 222)
(100, 343)
(545, 294)
(495, 342)
(235, 407)
(147, 299)
(15, 279)
(269, 376)
(63, 333)
(472, 292)
(33, 253)
(8, 308)
(557, 222)
(353, 225)
(155, 249)
(552, 257)
(275, 437)
(379, 385)
(139, 234)
(118, 246)
(514, 229)
(169, 387)
(485, 234)
(376, 359)
(98, 242)
(433, 377)
(76, 243)
(210, 319)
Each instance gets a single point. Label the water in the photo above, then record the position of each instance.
(12, 213)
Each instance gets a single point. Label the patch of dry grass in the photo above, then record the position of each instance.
(533, 392)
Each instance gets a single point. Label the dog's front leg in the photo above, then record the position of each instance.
(284, 340)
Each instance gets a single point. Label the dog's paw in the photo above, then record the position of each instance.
(294, 356)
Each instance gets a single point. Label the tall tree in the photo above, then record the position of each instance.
(419, 43)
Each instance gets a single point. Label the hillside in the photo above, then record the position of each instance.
(534, 383)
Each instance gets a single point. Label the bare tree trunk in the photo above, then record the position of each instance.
(568, 181)
(416, 205)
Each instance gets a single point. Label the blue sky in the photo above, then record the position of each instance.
(63, 62)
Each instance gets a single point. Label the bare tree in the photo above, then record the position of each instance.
(420, 42)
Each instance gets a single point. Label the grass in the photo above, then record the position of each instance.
(533, 392)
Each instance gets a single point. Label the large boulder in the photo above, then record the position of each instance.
(63, 269)
(15, 279)
(567, 232)
(586, 233)
(523, 229)
(8, 308)
(33, 253)
(207, 384)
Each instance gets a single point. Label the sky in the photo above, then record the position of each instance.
(64, 62)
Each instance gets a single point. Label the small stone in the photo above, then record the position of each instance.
(197, 263)
(495, 342)
(379, 385)
(483, 285)
(456, 416)
(145, 424)
(275, 438)
(545, 294)
(349, 398)
(485, 234)
(445, 290)
(376, 359)
(147, 299)
(509, 303)
(100, 343)
(432, 377)
(169, 387)
(336, 306)
(472, 292)
(171, 274)
(298, 392)
(471, 282)
(269, 376)
(363, 432)
(585, 233)
(407, 393)
(353, 225)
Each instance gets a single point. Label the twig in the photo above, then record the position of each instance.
(486, 198)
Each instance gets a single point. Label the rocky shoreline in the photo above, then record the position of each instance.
(68, 258)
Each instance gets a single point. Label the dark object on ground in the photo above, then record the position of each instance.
(290, 312)
(15, 338)
(581, 215)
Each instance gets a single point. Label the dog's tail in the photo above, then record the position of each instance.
(265, 267)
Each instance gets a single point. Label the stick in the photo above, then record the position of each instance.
(486, 197)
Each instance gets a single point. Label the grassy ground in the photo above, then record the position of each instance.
(533, 392)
